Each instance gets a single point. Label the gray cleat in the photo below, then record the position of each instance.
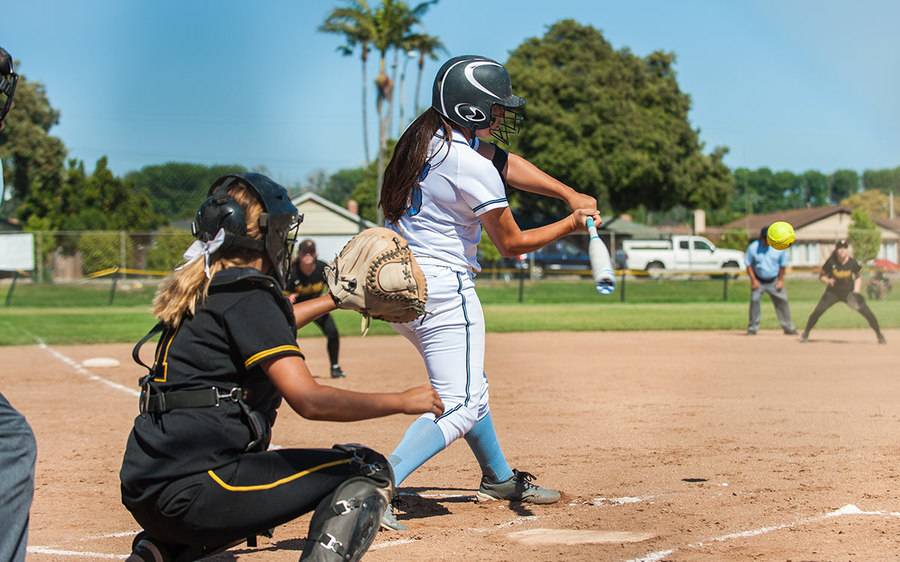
(389, 521)
(518, 488)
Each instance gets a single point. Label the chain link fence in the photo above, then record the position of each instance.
(71, 256)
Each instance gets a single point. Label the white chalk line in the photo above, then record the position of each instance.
(75, 553)
(76, 366)
(437, 496)
(116, 535)
(847, 510)
(506, 524)
(389, 544)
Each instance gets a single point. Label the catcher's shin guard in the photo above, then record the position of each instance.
(345, 522)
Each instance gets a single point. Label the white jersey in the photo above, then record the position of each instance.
(442, 224)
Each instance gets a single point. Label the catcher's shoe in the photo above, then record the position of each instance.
(337, 372)
(389, 521)
(145, 549)
(519, 487)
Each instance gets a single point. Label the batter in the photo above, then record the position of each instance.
(441, 188)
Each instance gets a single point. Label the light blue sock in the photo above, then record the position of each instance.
(482, 439)
(422, 440)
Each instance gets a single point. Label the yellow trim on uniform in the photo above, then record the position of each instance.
(275, 484)
(267, 352)
(165, 357)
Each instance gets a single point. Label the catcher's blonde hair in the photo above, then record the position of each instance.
(180, 293)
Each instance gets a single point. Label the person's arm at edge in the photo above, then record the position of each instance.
(308, 310)
(319, 402)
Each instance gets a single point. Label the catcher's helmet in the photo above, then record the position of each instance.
(8, 79)
(467, 88)
(278, 222)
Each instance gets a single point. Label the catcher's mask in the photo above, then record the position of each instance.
(278, 223)
(8, 80)
(466, 90)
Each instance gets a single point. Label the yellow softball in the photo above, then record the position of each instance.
(780, 235)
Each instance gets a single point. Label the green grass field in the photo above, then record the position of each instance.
(80, 314)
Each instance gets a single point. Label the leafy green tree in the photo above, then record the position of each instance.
(168, 248)
(355, 22)
(612, 123)
(340, 185)
(33, 159)
(843, 184)
(872, 201)
(487, 251)
(101, 250)
(816, 188)
(887, 180)
(735, 239)
(864, 236)
(176, 189)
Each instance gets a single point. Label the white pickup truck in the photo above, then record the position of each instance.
(681, 253)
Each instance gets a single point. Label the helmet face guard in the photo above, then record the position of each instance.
(468, 88)
(8, 81)
(278, 223)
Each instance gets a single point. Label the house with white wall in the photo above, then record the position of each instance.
(817, 229)
(329, 225)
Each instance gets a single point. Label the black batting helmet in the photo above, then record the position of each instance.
(467, 88)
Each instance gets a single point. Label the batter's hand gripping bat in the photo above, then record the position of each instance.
(601, 265)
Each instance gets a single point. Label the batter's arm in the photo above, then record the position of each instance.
(512, 241)
(525, 176)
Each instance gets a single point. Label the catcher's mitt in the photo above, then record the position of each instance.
(377, 275)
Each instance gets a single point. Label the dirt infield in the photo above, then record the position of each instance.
(667, 445)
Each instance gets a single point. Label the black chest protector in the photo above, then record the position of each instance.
(156, 400)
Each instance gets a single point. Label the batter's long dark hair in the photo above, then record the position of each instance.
(410, 156)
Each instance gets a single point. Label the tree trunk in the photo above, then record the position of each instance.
(384, 95)
(401, 93)
(419, 82)
(365, 117)
(394, 69)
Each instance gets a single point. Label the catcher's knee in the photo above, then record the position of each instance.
(344, 524)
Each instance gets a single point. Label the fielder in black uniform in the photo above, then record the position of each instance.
(307, 281)
(18, 450)
(197, 474)
(841, 274)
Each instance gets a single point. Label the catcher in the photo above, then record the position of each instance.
(197, 474)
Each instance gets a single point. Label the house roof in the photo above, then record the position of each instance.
(310, 196)
(629, 228)
(797, 217)
(890, 224)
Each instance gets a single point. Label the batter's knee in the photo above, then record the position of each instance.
(458, 420)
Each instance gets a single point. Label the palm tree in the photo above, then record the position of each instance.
(394, 21)
(356, 23)
(427, 46)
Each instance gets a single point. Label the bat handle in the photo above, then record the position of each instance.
(592, 229)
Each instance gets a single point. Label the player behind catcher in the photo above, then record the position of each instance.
(307, 281)
(841, 274)
(197, 474)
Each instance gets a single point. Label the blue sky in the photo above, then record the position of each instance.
(790, 84)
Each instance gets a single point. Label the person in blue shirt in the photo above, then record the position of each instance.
(766, 267)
